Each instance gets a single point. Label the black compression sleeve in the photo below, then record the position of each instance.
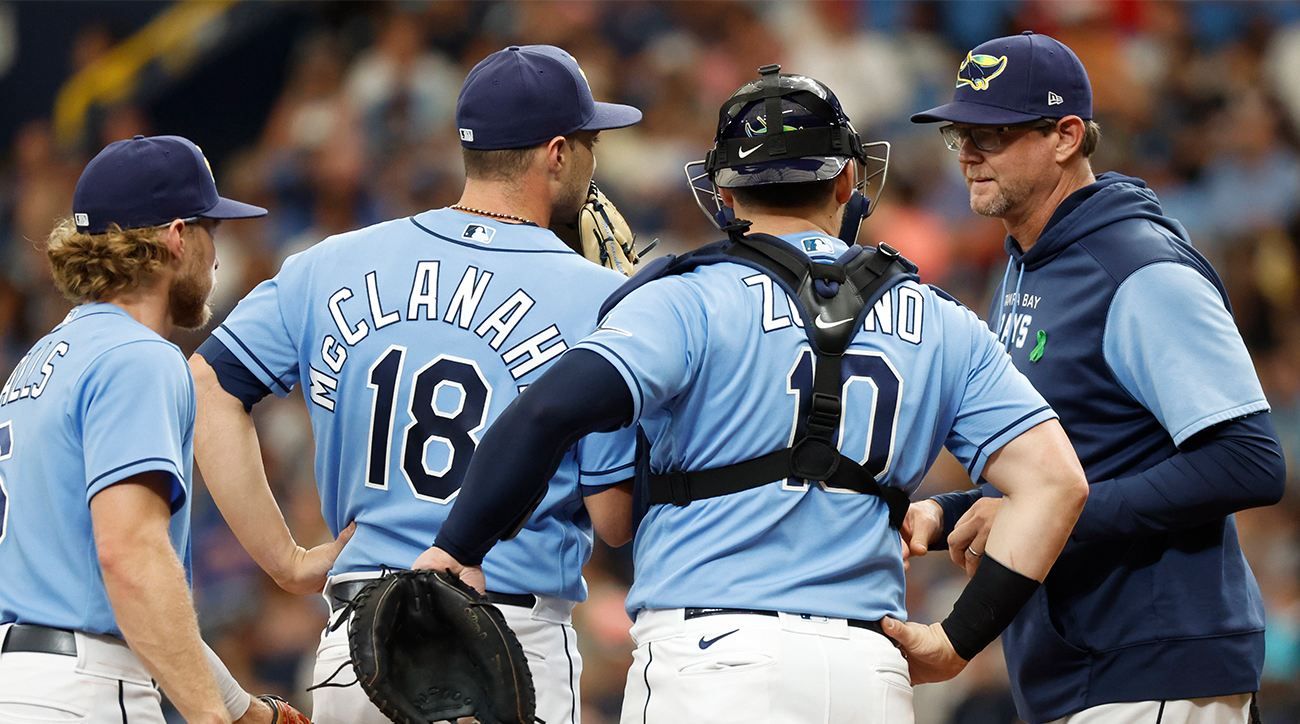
(992, 598)
(1232, 466)
(955, 505)
(234, 377)
(581, 393)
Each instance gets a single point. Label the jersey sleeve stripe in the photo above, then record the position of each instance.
(480, 247)
(270, 375)
(170, 468)
(611, 471)
(979, 452)
(624, 369)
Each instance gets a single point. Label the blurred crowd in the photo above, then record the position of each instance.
(1201, 100)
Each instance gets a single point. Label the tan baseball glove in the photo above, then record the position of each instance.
(602, 234)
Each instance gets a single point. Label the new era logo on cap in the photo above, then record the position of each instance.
(1053, 99)
(81, 219)
(467, 134)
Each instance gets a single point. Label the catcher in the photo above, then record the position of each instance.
(410, 337)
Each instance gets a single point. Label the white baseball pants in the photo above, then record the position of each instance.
(104, 683)
(751, 669)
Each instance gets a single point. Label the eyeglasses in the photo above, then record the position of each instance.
(985, 138)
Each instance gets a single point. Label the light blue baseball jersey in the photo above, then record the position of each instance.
(1157, 357)
(97, 400)
(410, 337)
(717, 362)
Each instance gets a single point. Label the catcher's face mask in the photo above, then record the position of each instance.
(813, 141)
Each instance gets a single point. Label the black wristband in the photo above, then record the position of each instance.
(989, 602)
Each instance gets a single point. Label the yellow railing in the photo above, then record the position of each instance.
(174, 39)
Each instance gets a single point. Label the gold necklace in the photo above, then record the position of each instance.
(480, 212)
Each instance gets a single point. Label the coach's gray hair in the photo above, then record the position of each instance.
(1091, 136)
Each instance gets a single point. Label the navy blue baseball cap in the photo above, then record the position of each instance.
(149, 182)
(526, 95)
(1016, 79)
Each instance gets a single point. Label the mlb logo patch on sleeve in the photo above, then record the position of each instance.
(479, 233)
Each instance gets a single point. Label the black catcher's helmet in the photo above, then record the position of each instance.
(813, 141)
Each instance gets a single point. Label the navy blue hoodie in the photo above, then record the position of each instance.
(1133, 610)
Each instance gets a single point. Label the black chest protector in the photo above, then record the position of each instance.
(828, 295)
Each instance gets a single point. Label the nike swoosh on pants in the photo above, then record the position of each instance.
(706, 643)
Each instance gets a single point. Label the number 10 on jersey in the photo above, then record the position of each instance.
(446, 406)
(871, 387)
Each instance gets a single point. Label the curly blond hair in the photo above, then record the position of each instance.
(93, 267)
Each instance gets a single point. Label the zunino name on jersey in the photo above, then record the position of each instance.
(422, 304)
(901, 312)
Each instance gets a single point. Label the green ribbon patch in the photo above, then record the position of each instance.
(1037, 352)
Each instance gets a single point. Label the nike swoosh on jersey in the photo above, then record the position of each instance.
(615, 330)
(706, 643)
(743, 153)
(828, 324)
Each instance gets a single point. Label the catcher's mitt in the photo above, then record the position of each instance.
(603, 234)
(428, 648)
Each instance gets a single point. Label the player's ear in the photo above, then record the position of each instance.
(728, 198)
(844, 185)
(172, 236)
(1069, 137)
(557, 154)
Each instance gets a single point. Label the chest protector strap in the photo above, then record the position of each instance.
(834, 299)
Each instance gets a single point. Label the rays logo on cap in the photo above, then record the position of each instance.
(978, 69)
(479, 233)
(207, 163)
(581, 72)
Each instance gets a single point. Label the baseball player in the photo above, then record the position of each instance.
(96, 424)
(791, 391)
(409, 338)
(1151, 613)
